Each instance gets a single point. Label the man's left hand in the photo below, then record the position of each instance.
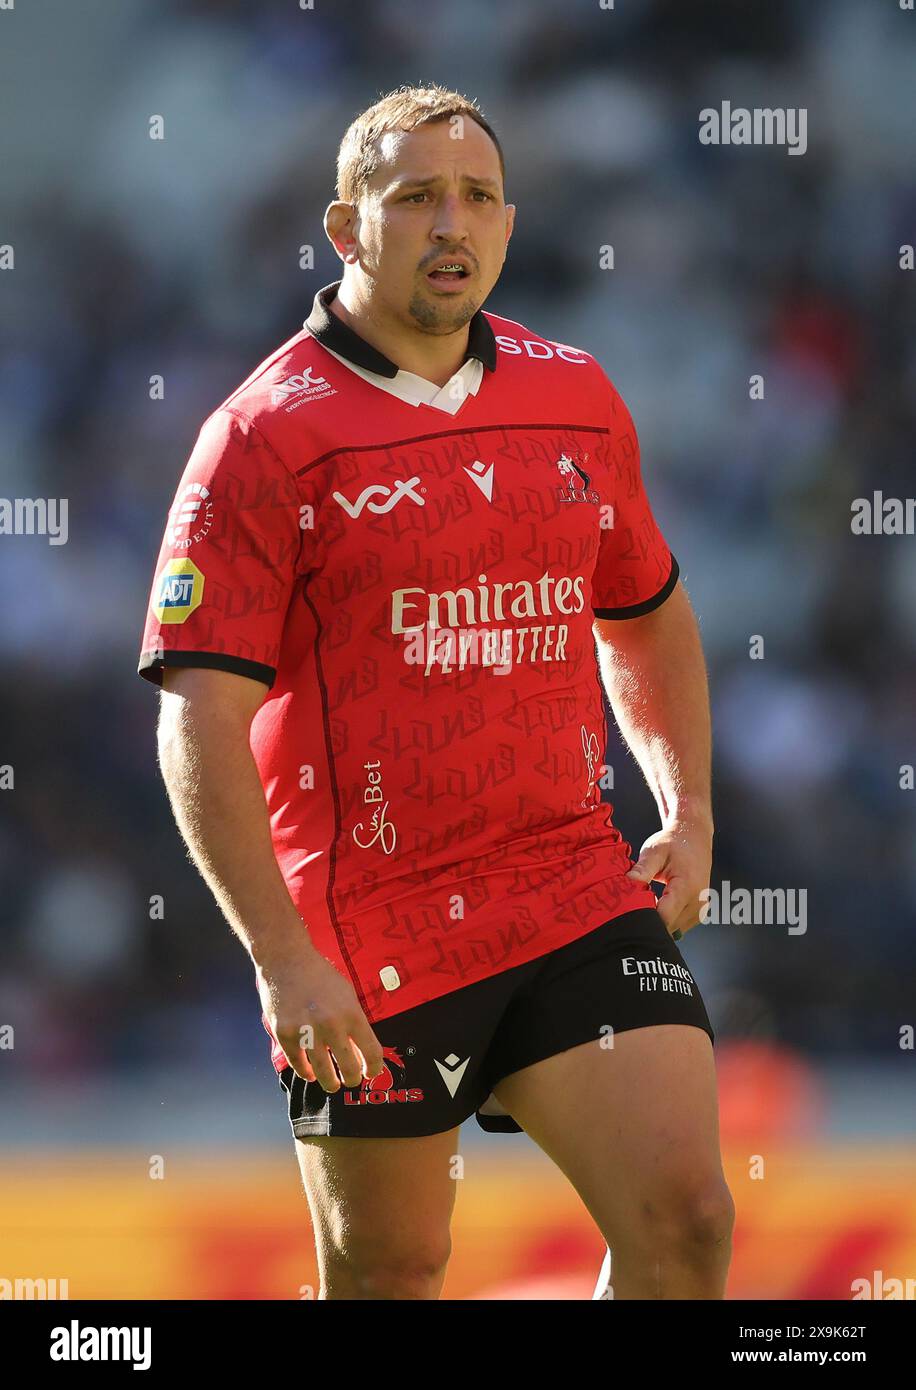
(680, 857)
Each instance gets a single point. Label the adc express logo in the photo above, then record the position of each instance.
(178, 591)
(294, 390)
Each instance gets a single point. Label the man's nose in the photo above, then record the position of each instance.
(450, 222)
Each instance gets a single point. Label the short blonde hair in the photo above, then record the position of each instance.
(403, 109)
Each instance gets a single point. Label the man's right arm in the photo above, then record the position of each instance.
(218, 801)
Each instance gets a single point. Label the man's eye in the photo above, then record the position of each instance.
(478, 193)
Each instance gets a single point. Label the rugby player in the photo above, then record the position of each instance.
(404, 557)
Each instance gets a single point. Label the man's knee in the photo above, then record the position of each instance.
(708, 1218)
(373, 1268)
(696, 1218)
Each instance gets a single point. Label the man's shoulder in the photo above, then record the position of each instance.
(290, 374)
(517, 340)
(275, 399)
(289, 377)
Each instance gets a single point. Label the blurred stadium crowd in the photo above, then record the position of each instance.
(179, 257)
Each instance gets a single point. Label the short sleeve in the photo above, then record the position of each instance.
(635, 571)
(229, 558)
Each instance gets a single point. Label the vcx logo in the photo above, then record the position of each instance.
(401, 489)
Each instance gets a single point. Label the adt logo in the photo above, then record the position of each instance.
(176, 590)
(179, 590)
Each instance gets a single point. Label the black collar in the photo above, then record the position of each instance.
(333, 333)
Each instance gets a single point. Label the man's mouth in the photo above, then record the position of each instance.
(450, 274)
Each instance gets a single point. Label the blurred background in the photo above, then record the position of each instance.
(135, 1036)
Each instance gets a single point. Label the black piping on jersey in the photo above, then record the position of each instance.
(152, 663)
(335, 793)
(336, 335)
(445, 434)
(637, 610)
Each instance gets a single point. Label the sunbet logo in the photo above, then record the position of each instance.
(387, 1088)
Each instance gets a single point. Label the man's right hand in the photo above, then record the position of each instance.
(316, 1018)
(204, 740)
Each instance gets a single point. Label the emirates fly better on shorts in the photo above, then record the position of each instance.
(416, 588)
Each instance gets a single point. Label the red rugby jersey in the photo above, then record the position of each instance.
(416, 590)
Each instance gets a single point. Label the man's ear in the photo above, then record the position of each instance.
(340, 229)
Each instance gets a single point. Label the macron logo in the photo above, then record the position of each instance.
(394, 495)
(483, 477)
(451, 1070)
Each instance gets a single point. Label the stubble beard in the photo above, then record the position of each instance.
(436, 319)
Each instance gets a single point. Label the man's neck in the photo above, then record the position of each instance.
(434, 357)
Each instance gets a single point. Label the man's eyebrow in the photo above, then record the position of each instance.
(436, 178)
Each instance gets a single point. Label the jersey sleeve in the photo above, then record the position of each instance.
(229, 558)
(635, 571)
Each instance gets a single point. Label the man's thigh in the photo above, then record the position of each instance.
(627, 1123)
(380, 1205)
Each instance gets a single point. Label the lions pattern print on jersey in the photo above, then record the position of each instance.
(416, 590)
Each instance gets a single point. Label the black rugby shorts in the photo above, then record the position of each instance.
(443, 1058)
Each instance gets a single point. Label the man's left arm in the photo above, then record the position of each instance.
(654, 673)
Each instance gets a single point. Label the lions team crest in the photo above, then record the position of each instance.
(576, 483)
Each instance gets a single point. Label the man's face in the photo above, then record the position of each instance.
(434, 198)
